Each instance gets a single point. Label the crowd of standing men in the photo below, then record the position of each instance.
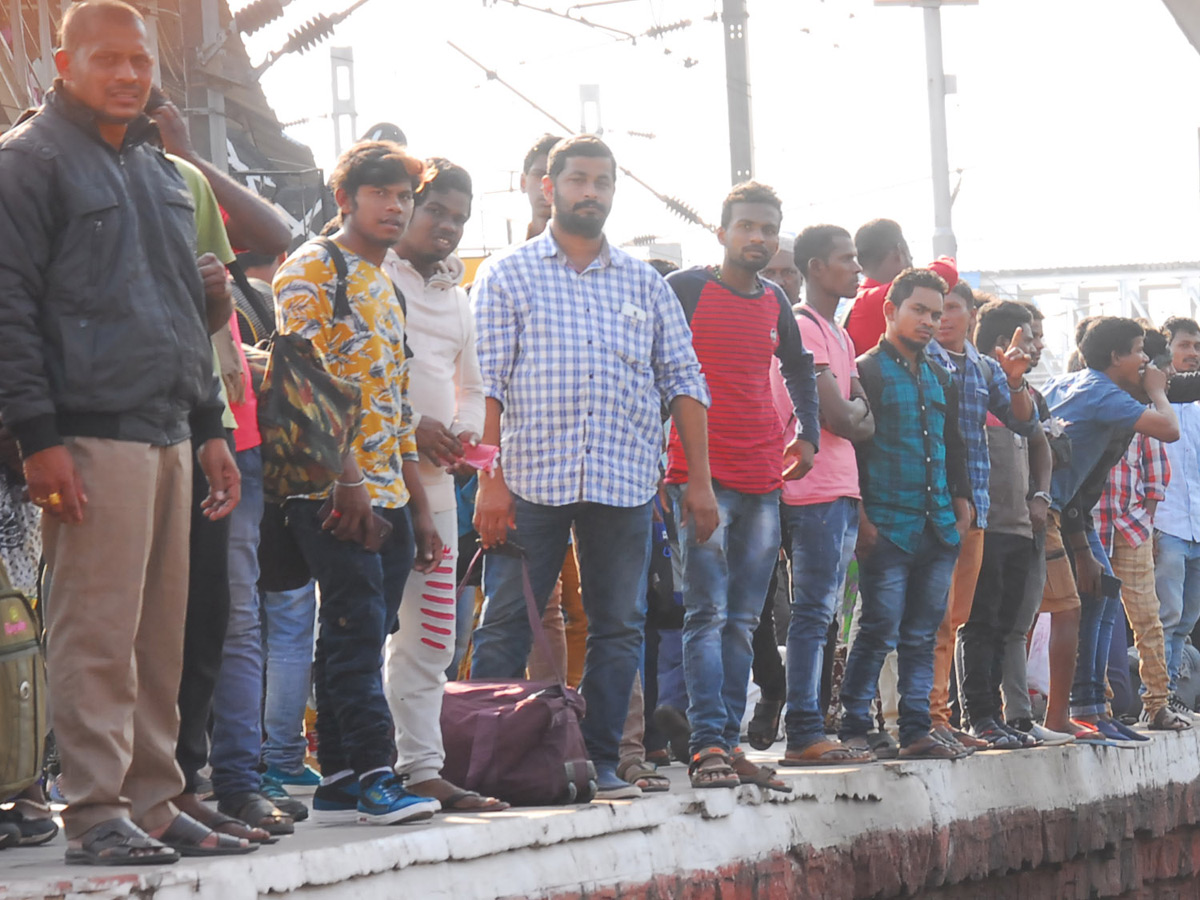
(906, 437)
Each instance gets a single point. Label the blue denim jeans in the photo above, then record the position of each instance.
(360, 594)
(614, 558)
(237, 699)
(1097, 617)
(288, 619)
(903, 603)
(724, 582)
(1177, 583)
(822, 538)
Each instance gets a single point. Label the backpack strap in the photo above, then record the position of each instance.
(341, 302)
(265, 313)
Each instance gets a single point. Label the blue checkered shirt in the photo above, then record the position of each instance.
(978, 395)
(581, 363)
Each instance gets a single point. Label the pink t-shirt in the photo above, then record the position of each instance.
(835, 469)
(246, 435)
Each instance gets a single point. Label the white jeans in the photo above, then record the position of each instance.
(417, 657)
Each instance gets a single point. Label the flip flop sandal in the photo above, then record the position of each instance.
(931, 747)
(256, 811)
(118, 842)
(751, 773)
(825, 753)
(644, 776)
(450, 804)
(223, 824)
(186, 836)
(710, 768)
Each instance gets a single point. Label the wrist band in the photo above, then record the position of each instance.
(361, 481)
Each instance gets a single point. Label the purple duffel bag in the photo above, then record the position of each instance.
(518, 741)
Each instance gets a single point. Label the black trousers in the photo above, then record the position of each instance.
(204, 633)
(998, 596)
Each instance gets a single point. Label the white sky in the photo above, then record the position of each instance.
(1075, 121)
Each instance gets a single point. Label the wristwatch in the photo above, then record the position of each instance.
(1042, 495)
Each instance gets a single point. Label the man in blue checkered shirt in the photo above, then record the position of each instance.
(579, 346)
(984, 386)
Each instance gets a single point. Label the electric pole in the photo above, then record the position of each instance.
(737, 86)
(944, 243)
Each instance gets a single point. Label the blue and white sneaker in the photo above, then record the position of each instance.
(385, 801)
(337, 799)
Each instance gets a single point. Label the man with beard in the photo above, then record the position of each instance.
(579, 345)
(740, 325)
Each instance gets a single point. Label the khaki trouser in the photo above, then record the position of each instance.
(958, 610)
(566, 627)
(116, 599)
(1135, 567)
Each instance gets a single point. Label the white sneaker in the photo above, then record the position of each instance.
(1051, 738)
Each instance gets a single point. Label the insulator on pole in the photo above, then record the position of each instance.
(258, 14)
(660, 30)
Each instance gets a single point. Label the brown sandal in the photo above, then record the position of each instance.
(710, 768)
(751, 773)
(644, 775)
(825, 753)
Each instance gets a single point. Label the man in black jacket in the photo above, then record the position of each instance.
(106, 373)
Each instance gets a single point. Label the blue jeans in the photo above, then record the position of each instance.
(288, 619)
(360, 594)
(1177, 583)
(237, 699)
(1097, 617)
(903, 603)
(724, 582)
(614, 558)
(823, 537)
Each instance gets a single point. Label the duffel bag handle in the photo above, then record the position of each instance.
(535, 618)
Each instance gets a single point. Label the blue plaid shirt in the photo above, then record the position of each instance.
(581, 362)
(916, 462)
(978, 395)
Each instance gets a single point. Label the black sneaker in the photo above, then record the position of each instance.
(997, 738)
(339, 796)
(1027, 739)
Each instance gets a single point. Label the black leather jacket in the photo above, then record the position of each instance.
(102, 326)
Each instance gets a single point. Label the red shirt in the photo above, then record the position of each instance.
(866, 324)
(737, 339)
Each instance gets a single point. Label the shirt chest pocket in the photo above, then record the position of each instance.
(627, 334)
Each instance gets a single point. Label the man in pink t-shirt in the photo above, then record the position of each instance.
(820, 511)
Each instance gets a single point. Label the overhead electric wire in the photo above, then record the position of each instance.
(674, 204)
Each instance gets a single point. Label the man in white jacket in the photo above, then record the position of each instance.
(446, 393)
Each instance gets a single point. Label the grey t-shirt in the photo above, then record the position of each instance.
(1008, 484)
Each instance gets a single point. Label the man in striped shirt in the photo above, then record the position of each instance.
(741, 328)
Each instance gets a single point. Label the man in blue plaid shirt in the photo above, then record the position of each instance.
(915, 508)
(579, 346)
(984, 385)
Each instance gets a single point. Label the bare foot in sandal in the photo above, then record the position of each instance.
(455, 799)
(752, 773)
(825, 753)
(219, 822)
(644, 775)
(710, 768)
(118, 842)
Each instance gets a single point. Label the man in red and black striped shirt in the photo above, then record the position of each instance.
(741, 328)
